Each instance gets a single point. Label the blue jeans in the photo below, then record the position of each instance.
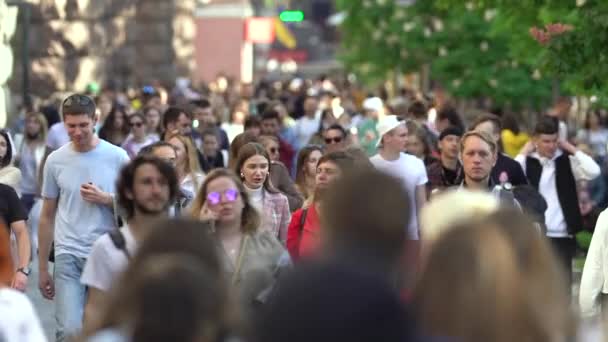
(69, 296)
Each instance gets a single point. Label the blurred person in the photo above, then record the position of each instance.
(506, 170)
(271, 125)
(492, 279)
(161, 150)
(513, 139)
(253, 165)
(138, 138)
(327, 119)
(84, 173)
(115, 128)
(189, 299)
(253, 125)
(211, 150)
(30, 148)
(153, 121)
(594, 281)
(251, 257)
(271, 144)
(202, 112)
(9, 174)
(104, 104)
(561, 111)
(446, 117)
(306, 169)
(189, 173)
(409, 169)
(176, 120)
(418, 144)
(553, 167)
(308, 125)
(596, 187)
(287, 131)
(447, 172)
(13, 217)
(57, 136)
(145, 189)
(335, 138)
(418, 112)
(367, 132)
(594, 134)
(303, 233)
(18, 318)
(236, 124)
(193, 242)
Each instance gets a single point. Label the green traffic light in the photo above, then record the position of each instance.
(291, 16)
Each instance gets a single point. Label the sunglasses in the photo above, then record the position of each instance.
(334, 140)
(136, 124)
(273, 150)
(76, 98)
(214, 198)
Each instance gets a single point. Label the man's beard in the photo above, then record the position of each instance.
(31, 136)
(146, 211)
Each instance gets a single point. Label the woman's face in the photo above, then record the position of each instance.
(119, 119)
(32, 127)
(138, 127)
(153, 119)
(415, 146)
(238, 117)
(180, 162)
(272, 148)
(3, 147)
(310, 167)
(221, 200)
(327, 172)
(254, 171)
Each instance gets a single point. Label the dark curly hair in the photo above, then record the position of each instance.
(127, 178)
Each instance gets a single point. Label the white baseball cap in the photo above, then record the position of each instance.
(387, 124)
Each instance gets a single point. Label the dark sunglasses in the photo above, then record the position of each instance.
(214, 198)
(136, 124)
(273, 150)
(82, 100)
(334, 140)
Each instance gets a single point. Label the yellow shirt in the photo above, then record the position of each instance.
(512, 143)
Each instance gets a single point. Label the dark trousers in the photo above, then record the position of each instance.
(564, 249)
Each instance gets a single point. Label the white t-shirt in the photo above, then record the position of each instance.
(18, 320)
(57, 136)
(411, 171)
(106, 261)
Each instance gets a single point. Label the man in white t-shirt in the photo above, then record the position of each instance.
(411, 170)
(146, 187)
(307, 125)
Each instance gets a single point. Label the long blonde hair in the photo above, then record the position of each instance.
(193, 166)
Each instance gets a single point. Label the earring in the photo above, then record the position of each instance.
(242, 175)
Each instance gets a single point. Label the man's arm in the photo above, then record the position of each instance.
(24, 250)
(46, 231)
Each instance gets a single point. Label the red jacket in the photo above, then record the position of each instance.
(287, 154)
(303, 241)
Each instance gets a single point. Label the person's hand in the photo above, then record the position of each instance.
(19, 282)
(566, 146)
(528, 148)
(93, 194)
(206, 214)
(46, 285)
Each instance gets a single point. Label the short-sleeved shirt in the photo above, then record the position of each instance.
(11, 209)
(57, 136)
(412, 173)
(79, 223)
(106, 261)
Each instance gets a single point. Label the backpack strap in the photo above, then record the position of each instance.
(118, 239)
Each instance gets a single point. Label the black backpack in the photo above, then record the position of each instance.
(118, 239)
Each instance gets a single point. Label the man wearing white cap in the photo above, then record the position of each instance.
(409, 169)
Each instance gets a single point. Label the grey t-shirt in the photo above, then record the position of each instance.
(79, 223)
(106, 261)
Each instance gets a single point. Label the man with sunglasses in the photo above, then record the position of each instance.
(145, 189)
(335, 138)
(78, 207)
(271, 125)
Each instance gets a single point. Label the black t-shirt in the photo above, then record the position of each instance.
(11, 209)
(515, 174)
(450, 175)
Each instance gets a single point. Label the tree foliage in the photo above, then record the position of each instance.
(467, 48)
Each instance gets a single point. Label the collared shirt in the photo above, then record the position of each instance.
(583, 168)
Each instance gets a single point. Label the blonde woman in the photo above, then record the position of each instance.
(189, 174)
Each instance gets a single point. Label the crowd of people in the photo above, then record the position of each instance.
(302, 211)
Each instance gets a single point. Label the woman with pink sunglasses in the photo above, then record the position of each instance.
(251, 257)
